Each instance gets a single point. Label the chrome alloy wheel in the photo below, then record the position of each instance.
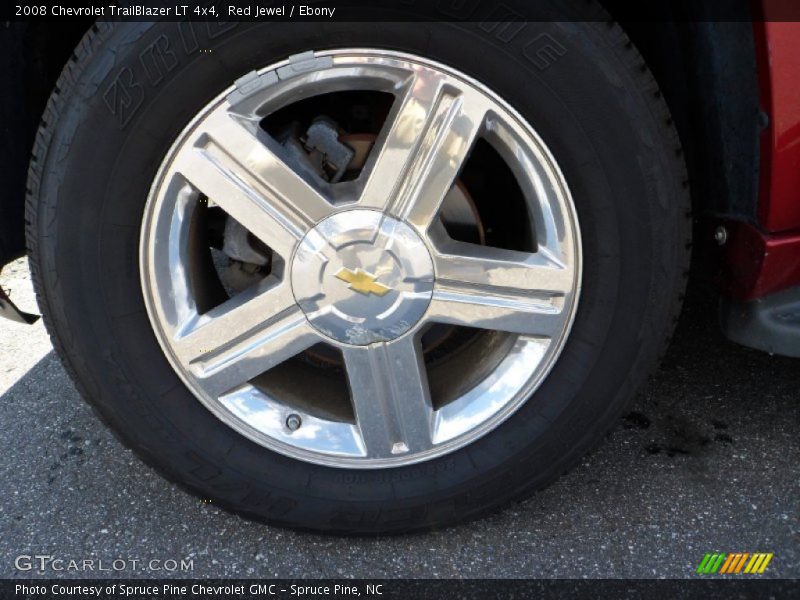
(364, 266)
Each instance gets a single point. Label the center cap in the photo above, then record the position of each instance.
(362, 277)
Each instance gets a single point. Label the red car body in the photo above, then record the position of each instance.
(764, 257)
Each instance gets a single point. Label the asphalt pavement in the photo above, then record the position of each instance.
(708, 461)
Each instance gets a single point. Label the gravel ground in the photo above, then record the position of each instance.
(707, 461)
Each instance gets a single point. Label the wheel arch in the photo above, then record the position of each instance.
(32, 55)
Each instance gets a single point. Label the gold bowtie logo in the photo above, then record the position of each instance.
(362, 282)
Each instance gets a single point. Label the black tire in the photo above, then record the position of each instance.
(128, 91)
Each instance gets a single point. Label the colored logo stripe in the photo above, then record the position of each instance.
(710, 563)
(734, 562)
(758, 563)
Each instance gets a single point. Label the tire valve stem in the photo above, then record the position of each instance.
(293, 422)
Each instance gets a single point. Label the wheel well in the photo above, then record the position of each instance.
(31, 58)
(707, 73)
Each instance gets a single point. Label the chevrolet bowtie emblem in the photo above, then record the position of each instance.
(362, 282)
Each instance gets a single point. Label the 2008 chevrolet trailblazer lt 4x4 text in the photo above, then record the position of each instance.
(379, 277)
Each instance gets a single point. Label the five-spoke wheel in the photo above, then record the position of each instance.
(364, 266)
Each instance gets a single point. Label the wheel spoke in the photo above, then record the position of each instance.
(244, 337)
(493, 288)
(432, 129)
(240, 171)
(390, 395)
